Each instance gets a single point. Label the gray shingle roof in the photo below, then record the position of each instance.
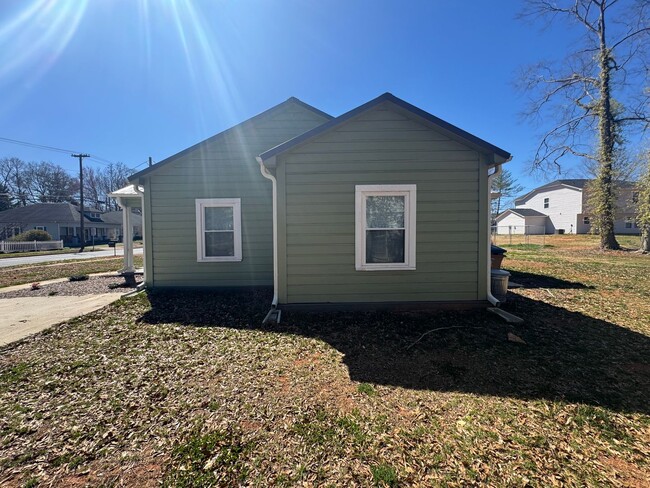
(527, 212)
(580, 183)
(57, 213)
(42, 212)
(115, 217)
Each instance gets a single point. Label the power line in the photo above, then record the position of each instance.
(93, 157)
(32, 144)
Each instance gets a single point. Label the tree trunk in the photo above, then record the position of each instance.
(645, 239)
(606, 138)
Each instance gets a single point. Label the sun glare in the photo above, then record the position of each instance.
(35, 36)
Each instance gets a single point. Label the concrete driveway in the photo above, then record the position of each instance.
(22, 317)
(5, 262)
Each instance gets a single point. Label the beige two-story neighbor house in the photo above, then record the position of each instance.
(561, 207)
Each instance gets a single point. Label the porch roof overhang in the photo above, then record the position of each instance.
(129, 196)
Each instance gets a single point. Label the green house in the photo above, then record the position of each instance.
(383, 206)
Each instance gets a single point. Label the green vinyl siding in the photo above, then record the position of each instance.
(222, 167)
(385, 145)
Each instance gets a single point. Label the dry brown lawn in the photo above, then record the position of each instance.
(31, 273)
(188, 389)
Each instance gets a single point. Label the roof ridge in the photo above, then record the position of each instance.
(256, 117)
(387, 96)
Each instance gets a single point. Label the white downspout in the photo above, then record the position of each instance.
(266, 174)
(491, 298)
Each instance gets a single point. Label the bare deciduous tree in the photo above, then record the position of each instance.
(47, 182)
(595, 94)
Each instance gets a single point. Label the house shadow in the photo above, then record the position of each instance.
(567, 356)
(532, 280)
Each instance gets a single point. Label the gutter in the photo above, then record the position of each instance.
(491, 298)
(274, 303)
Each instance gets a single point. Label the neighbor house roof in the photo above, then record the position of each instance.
(57, 213)
(521, 212)
(176, 156)
(386, 97)
(577, 183)
(116, 217)
(42, 212)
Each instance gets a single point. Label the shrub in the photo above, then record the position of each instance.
(32, 235)
(81, 277)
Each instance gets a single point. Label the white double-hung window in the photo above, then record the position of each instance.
(218, 229)
(385, 227)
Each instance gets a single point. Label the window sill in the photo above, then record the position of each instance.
(226, 259)
(384, 267)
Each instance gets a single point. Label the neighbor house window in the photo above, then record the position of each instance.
(385, 227)
(40, 227)
(218, 229)
(546, 201)
(586, 221)
(629, 221)
(635, 197)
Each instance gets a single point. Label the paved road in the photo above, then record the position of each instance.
(63, 257)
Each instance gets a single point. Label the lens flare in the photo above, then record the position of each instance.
(36, 36)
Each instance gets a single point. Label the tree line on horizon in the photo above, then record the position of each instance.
(25, 183)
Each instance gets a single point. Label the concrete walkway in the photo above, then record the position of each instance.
(22, 317)
(48, 258)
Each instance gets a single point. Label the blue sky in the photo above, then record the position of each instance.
(128, 79)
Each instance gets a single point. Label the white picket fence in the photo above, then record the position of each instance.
(24, 246)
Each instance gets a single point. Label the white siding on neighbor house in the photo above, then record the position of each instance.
(564, 206)
(511, 224)
(515, 224)
(625, 208)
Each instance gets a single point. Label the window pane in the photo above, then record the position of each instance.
(384, 246)
(218, 218)
(219, 244)
(384, 212)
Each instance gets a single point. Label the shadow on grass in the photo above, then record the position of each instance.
(568, 356)
(532, 280)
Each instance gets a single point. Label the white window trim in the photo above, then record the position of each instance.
(410, 198)
(201, 204)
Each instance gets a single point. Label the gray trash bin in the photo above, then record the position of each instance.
(500, 279)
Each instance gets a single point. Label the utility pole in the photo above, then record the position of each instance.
(150, 161)
(81, 198)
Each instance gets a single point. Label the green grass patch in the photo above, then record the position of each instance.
(366, 389)
(384, 475)
(213, 458)
(13, 374)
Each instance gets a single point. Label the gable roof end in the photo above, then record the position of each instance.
(576, 184)
(267, 156)
(134, 177)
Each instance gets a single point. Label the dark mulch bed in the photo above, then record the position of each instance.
(92, 286)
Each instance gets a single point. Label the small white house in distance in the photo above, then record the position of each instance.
(562, 205)
(521, 221)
